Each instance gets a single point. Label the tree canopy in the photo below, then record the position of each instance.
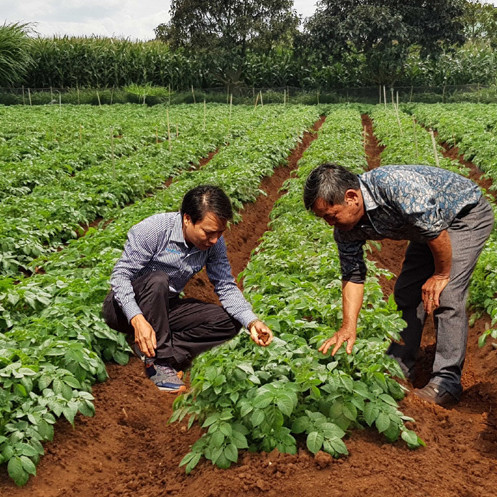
(383, 30)
(205, 25)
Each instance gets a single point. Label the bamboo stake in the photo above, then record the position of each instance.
(168, 130)
(256, 100)
(435, 151)
(284, 96)
(379, 94)
(415, 138)
(193, 93)
(29, 97)
(205, 112)
(98, 98)
(385, 96)
(397, 101)
(391, 92)
(112, 153)
(169, 94)
(398, 119)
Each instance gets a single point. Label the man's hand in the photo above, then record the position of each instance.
(144, 335)
(341, 336)
(432, 290)
(260, 333)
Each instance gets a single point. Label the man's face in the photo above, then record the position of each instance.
(344, 216)
(205, 233)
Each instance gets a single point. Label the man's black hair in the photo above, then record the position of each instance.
(203, 199)
(329, 182)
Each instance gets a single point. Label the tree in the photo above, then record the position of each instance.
(223, 25)
(480, 22)
(383, 31)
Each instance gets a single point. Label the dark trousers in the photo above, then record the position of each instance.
(468, 235)
(184, 328)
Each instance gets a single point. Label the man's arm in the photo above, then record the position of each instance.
(352, 298)
(441, 248)
(234, 303)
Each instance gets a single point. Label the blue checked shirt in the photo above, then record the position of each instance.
(413, 203)
(157, 244)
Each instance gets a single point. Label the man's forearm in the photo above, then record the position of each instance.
(441, 248)
(352, 298)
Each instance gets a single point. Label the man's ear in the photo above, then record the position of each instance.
(351, 197)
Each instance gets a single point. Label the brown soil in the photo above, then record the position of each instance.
(129, 449)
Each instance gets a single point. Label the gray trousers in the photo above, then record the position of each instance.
(468, 234)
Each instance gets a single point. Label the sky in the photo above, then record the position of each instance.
(132, 19)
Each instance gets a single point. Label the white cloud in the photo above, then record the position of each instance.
(133, 19)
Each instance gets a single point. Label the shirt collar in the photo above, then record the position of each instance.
(369, 202)
(177, 231)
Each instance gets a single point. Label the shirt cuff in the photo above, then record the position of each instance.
(246, 318)
(130, 310)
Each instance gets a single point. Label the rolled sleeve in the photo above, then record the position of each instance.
(352, 263)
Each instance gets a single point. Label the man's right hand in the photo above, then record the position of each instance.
(144, 335)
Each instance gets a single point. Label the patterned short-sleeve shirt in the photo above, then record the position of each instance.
(413, 203)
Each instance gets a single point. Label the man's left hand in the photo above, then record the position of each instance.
(432, 290)
(260, 333)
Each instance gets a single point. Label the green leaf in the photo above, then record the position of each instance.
(285, 404)
(239, 440)
(382, 422)
(257, 417)
(231, 453)
(301, 424)
(25, 449)
(217, 439)
(315, 441)
(193, 462)
(28, 465)
(263, 400)
(17, 472)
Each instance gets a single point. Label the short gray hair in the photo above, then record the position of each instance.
(329, 182)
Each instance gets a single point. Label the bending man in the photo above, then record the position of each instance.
(447, 221)
(161, 254)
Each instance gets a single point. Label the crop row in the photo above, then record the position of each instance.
(40, 222)
(39, 145)
(409, 143)
(290, 391)
(54, 339)
(471, 128)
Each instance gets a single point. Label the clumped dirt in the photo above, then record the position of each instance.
(129, 449)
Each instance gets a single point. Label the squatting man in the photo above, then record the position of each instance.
(161, 255)
(447, 221)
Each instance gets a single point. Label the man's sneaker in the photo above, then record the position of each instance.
(436, 394)
(166, 379)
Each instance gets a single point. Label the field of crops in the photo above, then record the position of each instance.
(75, 179)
